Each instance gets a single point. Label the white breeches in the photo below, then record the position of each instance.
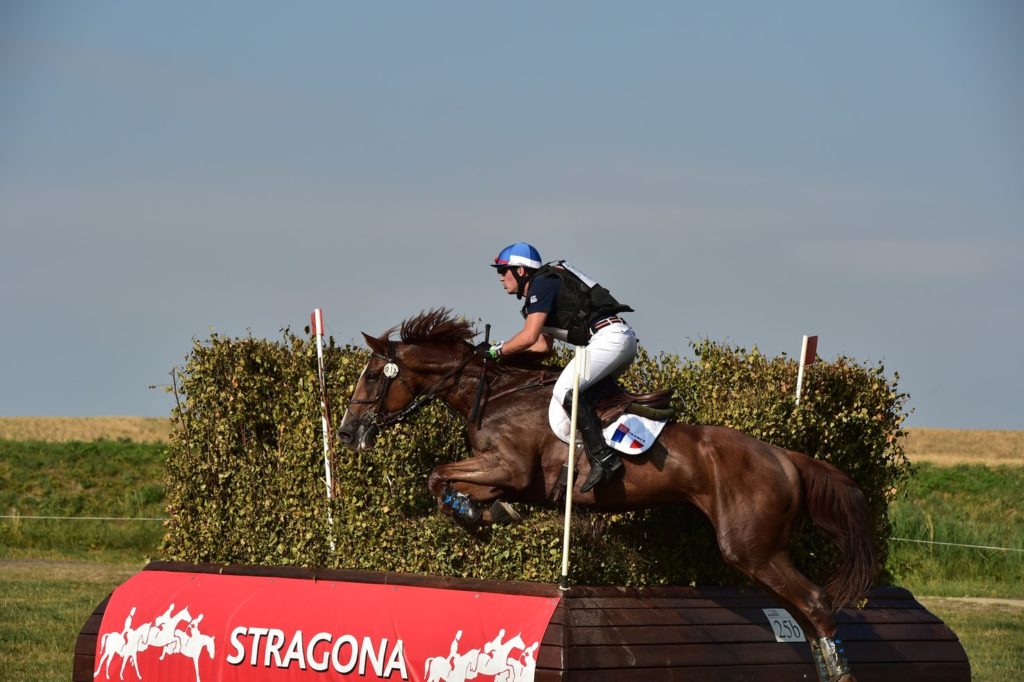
(612, 350)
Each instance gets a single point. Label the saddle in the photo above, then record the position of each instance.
(611, 401)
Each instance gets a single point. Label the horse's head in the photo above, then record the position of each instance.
(400, 377)
(381, 394)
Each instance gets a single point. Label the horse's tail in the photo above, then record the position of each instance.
(837, 505)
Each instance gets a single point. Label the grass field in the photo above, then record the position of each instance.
(937, 446)
(53, 572)
(116, 479)
(45, 604)
(64, 429)
(961, 505)
(949, 447)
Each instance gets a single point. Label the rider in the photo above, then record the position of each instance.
(564, 303)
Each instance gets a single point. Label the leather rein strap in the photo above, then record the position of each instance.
(430, 393)
(547, 381)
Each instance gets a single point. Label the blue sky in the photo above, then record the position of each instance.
(746, 172)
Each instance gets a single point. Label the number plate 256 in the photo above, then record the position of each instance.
(783, 626)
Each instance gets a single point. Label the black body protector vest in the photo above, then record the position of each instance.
(580, 302)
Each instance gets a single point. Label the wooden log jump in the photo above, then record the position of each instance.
(658, 634)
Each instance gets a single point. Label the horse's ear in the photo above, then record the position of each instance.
(378, 346)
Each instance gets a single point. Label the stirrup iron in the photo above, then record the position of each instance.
(601, 468)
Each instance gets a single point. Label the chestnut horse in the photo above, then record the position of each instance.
(754, 494)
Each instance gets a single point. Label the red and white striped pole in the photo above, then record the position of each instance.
(317, 324)
(808, 356)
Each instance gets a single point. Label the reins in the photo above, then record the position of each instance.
(391, 372)
(522, 387)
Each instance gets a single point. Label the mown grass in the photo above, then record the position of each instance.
(54, 573)
(991, 634)
(45, 604)
(962, 505)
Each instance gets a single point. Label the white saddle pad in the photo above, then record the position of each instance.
(632, 434)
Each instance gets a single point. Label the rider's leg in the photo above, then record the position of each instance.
(604, 461)
(611, 351)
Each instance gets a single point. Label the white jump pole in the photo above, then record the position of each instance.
(809, 348)
(581, 366)
(317, 318)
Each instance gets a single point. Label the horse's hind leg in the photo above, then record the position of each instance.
(811, 607)
(757, 547)
(814, 604)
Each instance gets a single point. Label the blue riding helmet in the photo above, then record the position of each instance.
(518, 254)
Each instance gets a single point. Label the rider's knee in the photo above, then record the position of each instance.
(558, 420)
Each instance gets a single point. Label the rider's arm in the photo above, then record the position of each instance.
(530, 337)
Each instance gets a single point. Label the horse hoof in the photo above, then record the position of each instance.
(502, 512)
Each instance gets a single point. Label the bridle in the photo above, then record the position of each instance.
(391, 372)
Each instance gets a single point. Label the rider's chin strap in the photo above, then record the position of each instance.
(522, 280)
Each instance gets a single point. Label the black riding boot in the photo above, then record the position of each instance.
(604, 461)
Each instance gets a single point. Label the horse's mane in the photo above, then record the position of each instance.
(436, 325)
(440, 326)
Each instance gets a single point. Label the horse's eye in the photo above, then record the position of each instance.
(372, 377)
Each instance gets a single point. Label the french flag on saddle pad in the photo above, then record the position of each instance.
(632, 434)
(623, 436)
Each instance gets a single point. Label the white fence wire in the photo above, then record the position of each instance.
(164, 518)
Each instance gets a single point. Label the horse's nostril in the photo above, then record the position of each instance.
(346, 437)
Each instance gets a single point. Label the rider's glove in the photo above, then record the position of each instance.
(488, 352)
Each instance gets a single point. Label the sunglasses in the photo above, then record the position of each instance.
(502, 270)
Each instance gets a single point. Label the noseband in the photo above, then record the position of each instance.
(391, 372)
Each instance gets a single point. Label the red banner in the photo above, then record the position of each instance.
(219, 628)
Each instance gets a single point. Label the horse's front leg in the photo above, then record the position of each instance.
(465, 488)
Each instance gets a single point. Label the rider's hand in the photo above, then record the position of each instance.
(487, 351)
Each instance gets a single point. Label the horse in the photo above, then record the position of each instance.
(755, 494)
(126, 645)
(194, 645)
(163, 632)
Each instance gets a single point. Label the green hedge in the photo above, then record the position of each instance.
(245, 472)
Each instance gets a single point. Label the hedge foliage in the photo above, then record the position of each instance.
(245, 473)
